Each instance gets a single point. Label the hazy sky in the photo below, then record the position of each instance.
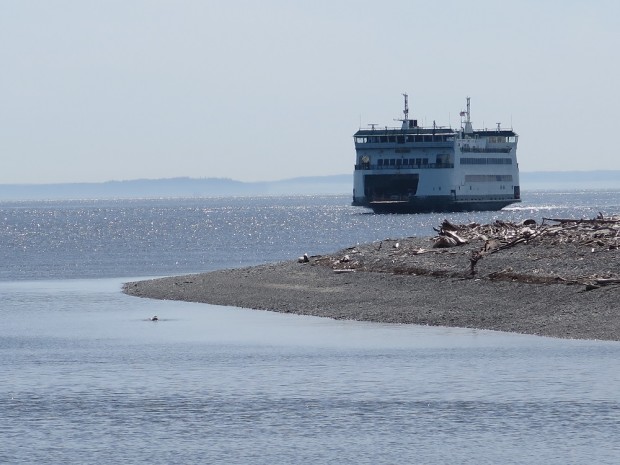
(97, 90)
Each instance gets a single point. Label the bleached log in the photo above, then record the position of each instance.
(459, 240)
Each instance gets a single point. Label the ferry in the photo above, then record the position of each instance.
(415, 169)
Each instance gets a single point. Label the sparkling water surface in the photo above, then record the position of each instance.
(86, 377)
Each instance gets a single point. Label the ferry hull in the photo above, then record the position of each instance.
(436, 204)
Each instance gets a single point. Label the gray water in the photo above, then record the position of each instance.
(85, 377)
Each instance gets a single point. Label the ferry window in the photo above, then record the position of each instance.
(392, 161)
(392, 139)
(398, 162)
(425, 161)
(488, 177)
(405, 161)
(361, 140)
(383, 139)
(400, 139)
(486, 161)
(380, 162)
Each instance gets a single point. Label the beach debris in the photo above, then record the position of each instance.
(551, 251)
(473, 260)
(600, 232)
(443, 242)
(303, 259)
(448, 236)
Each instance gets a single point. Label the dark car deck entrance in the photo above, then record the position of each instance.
(390, 186)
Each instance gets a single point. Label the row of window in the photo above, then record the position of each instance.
(488, 178)
(442, 159)
(402, 161)
(486, 161)
(467, 148)
(501, 139)
(403, 139)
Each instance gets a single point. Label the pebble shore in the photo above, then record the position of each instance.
(530, 288)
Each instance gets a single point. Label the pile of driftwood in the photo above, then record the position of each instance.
(551, 251)
(601, 232)
(598, 233)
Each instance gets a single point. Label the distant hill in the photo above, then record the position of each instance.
(222, 187)
(177, 187)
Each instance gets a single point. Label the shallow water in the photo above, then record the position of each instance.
(86, 377)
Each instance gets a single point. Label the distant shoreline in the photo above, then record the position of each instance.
(222, 187)
(523, 290)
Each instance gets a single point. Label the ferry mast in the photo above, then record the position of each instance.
(468, 127)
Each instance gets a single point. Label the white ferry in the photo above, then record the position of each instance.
(415, 169)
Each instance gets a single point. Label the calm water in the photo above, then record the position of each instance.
(86, 378)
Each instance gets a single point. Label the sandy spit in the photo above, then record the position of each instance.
(536, 290)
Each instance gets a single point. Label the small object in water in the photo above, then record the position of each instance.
(154, 318)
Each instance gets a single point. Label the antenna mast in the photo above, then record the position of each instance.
(468, 114)
(468, 126)
(406, 110)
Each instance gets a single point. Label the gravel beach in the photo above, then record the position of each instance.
(548, 287)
